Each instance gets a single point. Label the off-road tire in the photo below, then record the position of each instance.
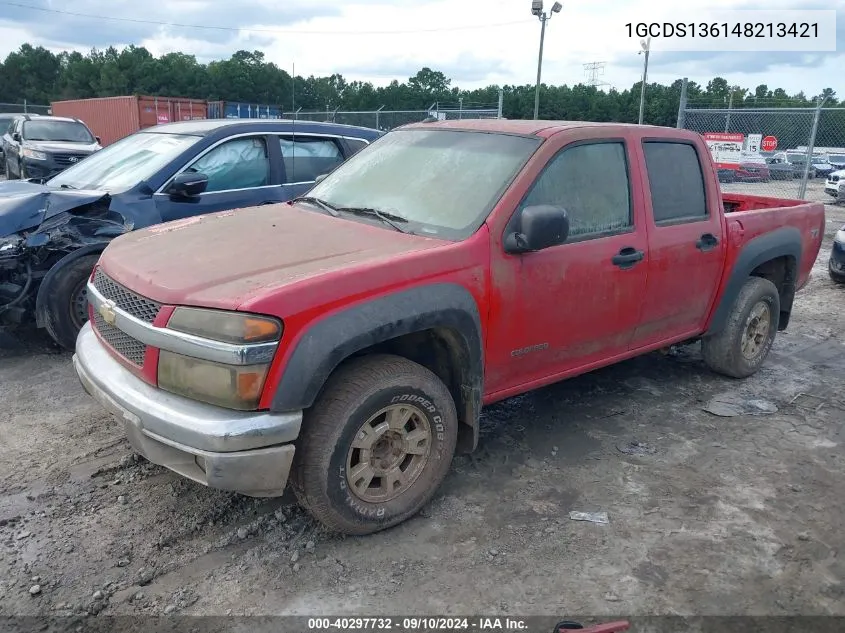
(353, 394)
(59, 320)
(723, 351)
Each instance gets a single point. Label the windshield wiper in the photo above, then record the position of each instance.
(325, 206)
(385, 216)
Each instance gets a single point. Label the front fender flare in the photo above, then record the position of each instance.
(46, 282)
(330, 341)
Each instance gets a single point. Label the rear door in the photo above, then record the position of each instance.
(685, 241)
(239, 175)
(304, 158)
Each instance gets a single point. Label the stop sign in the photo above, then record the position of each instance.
(769, 144)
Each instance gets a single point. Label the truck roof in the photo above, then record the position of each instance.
(526, 127)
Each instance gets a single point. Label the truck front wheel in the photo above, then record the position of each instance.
(375, 446)
(741, 347)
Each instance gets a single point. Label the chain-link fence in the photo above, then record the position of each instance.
(778, 152)
(23, 108)
(388, 119)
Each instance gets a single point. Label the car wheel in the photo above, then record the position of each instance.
(375, 446)
(67, 301)
(744, 343)
(8, 171)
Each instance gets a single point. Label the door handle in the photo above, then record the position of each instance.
(627, 257)
(707, 242)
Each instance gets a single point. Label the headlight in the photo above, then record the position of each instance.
(33, 154)
(840, 237)
(230, 386)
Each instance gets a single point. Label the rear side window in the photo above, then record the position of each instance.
(591, 182)
(676, 182)
(355, 145)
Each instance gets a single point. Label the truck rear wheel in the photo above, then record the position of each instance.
(741, 347)
(67, 301)
(375, 446)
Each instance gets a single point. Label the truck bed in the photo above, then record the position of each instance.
(749, 216)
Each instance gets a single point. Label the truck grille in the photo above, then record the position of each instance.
(834, 178)
(131, 349)
(139, 307)
(65, 160)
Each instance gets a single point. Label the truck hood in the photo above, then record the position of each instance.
(222, 260)
(24, 205)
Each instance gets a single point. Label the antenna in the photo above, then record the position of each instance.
(593, 71)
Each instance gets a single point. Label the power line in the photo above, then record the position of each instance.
(251, 30)
(593, 70)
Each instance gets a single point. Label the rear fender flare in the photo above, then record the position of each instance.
(46, 282)
(782, 242)
(330, 341)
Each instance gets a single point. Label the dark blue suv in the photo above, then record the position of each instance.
(52, 232)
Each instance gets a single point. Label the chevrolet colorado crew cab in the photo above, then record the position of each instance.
(348, 339)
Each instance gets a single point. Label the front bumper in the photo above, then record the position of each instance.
(231, 450)
(41, 168)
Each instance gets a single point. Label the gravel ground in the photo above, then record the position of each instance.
(736, 515)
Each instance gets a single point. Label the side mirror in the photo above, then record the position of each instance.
(98, 139)
(188, 185)
(320, 178)
(537, 228)
(17, 137)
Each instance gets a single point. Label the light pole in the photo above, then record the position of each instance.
(537, 9)
(646, 48)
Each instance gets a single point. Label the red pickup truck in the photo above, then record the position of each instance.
(348, 340)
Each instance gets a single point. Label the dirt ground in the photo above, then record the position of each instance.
(736, 515)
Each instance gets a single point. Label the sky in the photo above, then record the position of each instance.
(476, 43)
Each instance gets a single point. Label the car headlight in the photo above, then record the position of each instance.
(33, 154)
(230, 386)
(840, 236)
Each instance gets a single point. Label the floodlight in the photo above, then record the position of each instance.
(556, 7)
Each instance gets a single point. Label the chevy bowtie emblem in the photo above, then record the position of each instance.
(106, 310)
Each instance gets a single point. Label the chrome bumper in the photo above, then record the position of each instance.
(230, 450)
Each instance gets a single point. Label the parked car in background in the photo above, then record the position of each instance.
(350, 338)
(51, 234)
(837, 160)
(780, 168)
(833, 183)
(819, 167)
(41, 147)
(752, 169)
(6, 119)
(836, 263)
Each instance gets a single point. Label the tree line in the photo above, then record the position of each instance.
(40, 76)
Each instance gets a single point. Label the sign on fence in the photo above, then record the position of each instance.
(770, 143)
(726, 149)
(754, 142)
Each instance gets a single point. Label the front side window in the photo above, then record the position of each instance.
(676, 182)
(443, 182)
(591, 182)
(306, 158)
(57, 131)
(241, 163)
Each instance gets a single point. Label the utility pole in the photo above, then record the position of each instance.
(646, 48)
(728, 116)
(537, 10)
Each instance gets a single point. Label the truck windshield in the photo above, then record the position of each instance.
(443, 182)
(57, 131)
(124, 164)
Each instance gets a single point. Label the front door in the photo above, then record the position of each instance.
(239, 175)
(578, 303)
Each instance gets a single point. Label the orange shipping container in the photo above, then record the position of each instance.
(112, 118)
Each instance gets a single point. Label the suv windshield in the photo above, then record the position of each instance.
(443, 182)
(67, 131)
(124, 164)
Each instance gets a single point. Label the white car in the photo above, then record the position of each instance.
(833, 183)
